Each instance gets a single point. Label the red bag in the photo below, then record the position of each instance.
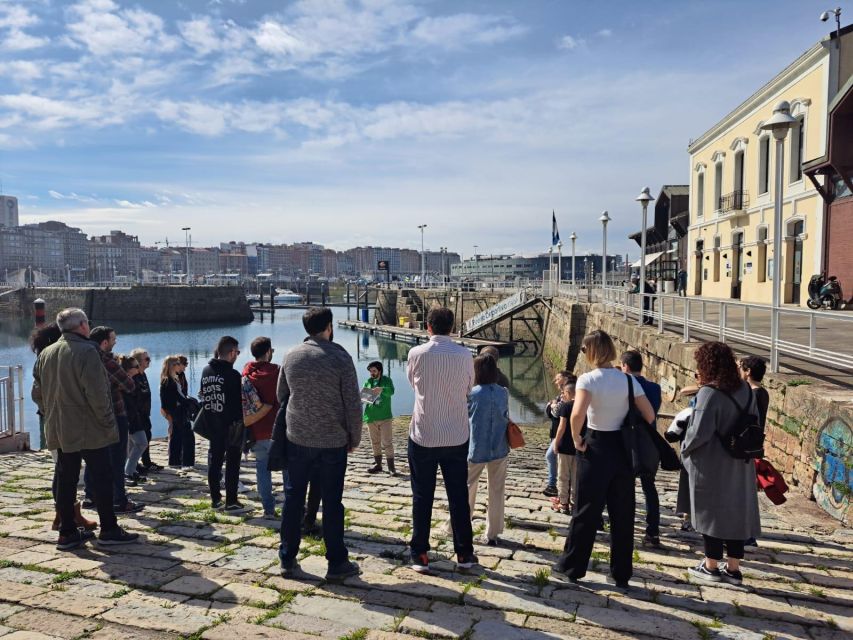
(770, 481)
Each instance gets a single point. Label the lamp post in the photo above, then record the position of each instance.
(559, 265)
(644, 199)
(186, 231)
(778, 125)
(423, 257)
(605, 218)
(573, 238)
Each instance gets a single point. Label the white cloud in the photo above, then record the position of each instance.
(14, 19)
(569, 43)
(15, 16)
(22, 70)
(56, 195)
(464, 29)
(605, 33)
(17, 40)
(200, 35)
(106, 30)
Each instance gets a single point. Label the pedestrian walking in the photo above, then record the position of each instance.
(221, 399)
(319, 387)
(175, 408)
(605, 475)
(73, 394)
(377, 417)
(682, 282)
(262, 375)
(632, 363)
(120, 382)
(723, 496)
(442, 374)
(488, 448)
(552, 410)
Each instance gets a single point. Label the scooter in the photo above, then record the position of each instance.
(824, 292)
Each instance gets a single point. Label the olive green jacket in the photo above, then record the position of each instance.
(71, 389)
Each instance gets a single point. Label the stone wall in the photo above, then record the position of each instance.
(174, 304)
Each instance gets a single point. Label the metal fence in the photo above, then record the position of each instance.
(11, 400)
(822, 337)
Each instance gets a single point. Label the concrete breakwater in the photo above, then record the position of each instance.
(809, 423)
(170, 304)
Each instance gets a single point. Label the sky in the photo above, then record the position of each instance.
(351, 122)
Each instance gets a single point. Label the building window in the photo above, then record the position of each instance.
(764, 164)
(718, 185)
(700, 194)
(797, 133)
(738, 186)
(717, 258)
(761, 258)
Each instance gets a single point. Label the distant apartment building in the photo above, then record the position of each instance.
(204, 262)
(117, 254)
(410, 261)
(8, 211)
(330, 263)
(39, 253)
(233, 262)
(732, 192)
(75, 248)
(306, 258)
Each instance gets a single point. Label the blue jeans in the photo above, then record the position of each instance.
(137, 444)
(551, 459)
(327, 466)
(652, 505)
(263, 476)
(424, 463)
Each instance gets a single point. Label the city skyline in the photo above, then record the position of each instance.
(351, 123)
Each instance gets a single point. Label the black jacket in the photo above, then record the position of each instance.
(143, 400)
(173, 402)
(221, 393)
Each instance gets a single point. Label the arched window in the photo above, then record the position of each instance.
(700, 190)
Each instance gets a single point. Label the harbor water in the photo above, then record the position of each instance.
(530, 383)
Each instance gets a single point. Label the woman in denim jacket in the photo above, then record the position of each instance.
(488, 414)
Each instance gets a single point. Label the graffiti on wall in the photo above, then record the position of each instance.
(833, 463)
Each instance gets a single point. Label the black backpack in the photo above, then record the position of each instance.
(745, 439)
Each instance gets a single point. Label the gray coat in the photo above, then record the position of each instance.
(319, 387)
(723, 494)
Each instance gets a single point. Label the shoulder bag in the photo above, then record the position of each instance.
(201, 425)
(514, 435)
(636, 434)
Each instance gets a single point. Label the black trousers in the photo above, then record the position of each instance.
(315, 494)
(424, 463)
(714, 548)
(220, 452)
(604, 477)
(146, 455)
(67, 475)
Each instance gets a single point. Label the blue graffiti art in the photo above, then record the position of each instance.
(834, 465)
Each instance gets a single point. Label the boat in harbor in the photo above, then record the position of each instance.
(286, 296)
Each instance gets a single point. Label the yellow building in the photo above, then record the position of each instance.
(732, 184)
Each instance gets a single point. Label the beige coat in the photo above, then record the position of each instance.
(70, 387)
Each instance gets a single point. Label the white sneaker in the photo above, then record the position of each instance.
(187, 469)
(241, 488)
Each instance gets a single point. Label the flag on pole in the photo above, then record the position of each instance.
(555, 234)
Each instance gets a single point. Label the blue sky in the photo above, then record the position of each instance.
(350, 122)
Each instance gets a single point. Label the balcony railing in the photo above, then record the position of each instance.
(734, 201)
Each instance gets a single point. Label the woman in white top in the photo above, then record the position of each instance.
(604, 473)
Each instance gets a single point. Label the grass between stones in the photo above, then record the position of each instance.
(541, 577)
(274, 610)
(198, 634)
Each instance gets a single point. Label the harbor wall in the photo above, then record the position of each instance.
(173, 304)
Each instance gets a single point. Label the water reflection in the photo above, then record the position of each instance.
(530, 383)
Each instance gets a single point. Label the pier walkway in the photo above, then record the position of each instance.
(418, 336)
(199, 574)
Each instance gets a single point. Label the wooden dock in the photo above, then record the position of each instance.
(418, 336)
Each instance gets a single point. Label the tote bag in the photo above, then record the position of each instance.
(636, 434)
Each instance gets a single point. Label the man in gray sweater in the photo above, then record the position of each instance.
(319, 388)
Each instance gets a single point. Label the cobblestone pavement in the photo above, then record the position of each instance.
(199, 574)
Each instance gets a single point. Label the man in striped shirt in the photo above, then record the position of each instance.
(442, 374)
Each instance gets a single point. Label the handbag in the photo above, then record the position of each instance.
(201, 426)
(636, 434)
(236, 432)
(277, 460)
(669, 460)
(514, 435)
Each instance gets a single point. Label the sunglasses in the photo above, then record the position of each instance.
(147, 359)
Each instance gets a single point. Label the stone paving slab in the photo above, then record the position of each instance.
(199, 574)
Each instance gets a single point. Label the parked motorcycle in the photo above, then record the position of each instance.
(824, 292)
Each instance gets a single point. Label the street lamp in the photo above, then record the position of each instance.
(423, 257)
(186, 231)
(604, 219)
(559, 265)
(644, 199)
(778, 125)
(573, 238)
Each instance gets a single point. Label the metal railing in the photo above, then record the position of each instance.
(822, 337)
(734, 201)
(11, 400)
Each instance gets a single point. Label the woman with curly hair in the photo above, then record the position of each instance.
(723, 499)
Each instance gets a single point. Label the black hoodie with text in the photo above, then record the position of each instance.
(220, 393)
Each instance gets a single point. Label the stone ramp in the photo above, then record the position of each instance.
(200, 574)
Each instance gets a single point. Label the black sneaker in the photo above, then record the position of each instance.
(290, 569)
(703, 574)
(550, 490)
(88, 504)
(730, 576)
(74, 540)
(129, 506)
(152, 468)
(131, 481)
(652, 541)
(466, 560)
(558, 569)
(619, 584)
(344, 570)
(752, 542)
(217, 505)
(235, 508)
(420, 563)
(117, 536)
